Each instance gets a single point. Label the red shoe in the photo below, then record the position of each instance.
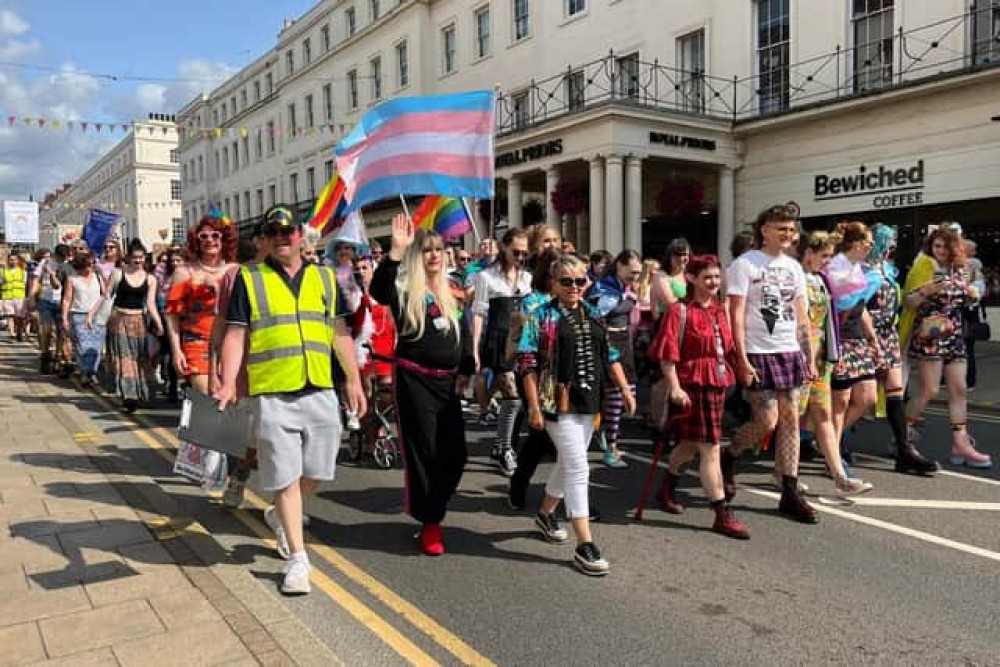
(727, 524)
(430, 539)
(666, 494)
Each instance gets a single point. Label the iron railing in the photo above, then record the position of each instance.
(956, 45)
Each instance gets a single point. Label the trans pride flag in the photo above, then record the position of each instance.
(439, 145)
(445, 215)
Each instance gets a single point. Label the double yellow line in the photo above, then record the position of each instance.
(166, 444)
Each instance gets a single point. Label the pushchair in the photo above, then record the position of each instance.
(377, 436)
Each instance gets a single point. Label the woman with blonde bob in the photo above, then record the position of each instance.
(433, 365)
(567, 363)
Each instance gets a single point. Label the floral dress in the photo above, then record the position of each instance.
(884, 310)
(937, 330)
(819, 305)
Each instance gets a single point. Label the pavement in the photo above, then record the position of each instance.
(109, 558)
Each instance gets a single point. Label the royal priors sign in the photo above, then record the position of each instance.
(884, 186)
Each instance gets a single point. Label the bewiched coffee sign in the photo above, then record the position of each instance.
(887, 186)
(529, 153)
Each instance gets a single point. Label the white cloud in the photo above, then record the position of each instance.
(11, 24)
(15, 49)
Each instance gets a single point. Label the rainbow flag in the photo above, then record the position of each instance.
(330, 204)
(445, 215)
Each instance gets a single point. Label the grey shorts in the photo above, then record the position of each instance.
(296, 435)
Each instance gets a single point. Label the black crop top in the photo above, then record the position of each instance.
(131, 298)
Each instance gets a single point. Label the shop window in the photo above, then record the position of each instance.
(986, 31)
(772, 54)
(872, 28)
(691, 58)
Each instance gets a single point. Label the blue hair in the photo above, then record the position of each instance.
(883, 237)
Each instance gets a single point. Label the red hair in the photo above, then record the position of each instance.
(229, 241)
(696, 265)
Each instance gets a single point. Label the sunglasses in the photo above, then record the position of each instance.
(520, 254)
(205, 236)
(279, 231)
(463, 259)
(567, 281)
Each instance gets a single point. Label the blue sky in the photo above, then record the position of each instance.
(203, 40)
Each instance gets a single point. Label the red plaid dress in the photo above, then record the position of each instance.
(704, 366)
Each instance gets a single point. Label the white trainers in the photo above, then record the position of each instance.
(852, 486)
(233, 497)
(296, 581)
(281, 540)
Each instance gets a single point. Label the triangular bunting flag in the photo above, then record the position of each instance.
(41, 122)
(27, 121)
(98, 126)
(11, 120)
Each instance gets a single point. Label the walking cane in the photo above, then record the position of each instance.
(663, 435)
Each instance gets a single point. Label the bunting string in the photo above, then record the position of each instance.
(184, 132)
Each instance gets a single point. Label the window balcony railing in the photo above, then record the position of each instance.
(953, 46)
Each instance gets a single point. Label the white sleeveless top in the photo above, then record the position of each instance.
(86, 293)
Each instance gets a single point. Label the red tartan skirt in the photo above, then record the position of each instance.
(702, 421)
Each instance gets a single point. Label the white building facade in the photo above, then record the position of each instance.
(627, 123)
(138, 179)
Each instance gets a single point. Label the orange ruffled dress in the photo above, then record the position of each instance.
(195, 304)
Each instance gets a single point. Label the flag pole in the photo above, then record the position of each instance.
(406, 209)
(472, 220)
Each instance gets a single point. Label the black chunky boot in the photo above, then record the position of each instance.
(793, 505)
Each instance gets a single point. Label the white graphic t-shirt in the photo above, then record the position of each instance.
(770, 284)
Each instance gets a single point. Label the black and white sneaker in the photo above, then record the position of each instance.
(551, 530)
(508, 462)
(588, 560)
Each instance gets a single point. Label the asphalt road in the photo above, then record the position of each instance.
(908, 575)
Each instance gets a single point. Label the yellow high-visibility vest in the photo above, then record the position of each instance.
(13, 286)
(291, 341)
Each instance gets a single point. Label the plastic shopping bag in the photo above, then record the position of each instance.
(201, 466)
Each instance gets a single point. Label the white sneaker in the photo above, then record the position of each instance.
(233, 497)
(281, 540)
(852, 486)
(296, 581)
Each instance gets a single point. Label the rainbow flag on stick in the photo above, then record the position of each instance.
(445, 215)
(330, 204)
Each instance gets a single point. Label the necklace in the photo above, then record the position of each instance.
(213, 270)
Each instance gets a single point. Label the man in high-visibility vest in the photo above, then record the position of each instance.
(13, 290)
(290, 312)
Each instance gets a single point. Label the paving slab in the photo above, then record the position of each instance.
(102, 657)
(184, 608)
(33, 605)
(20, 644)
(98, 628)
(210, 643)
